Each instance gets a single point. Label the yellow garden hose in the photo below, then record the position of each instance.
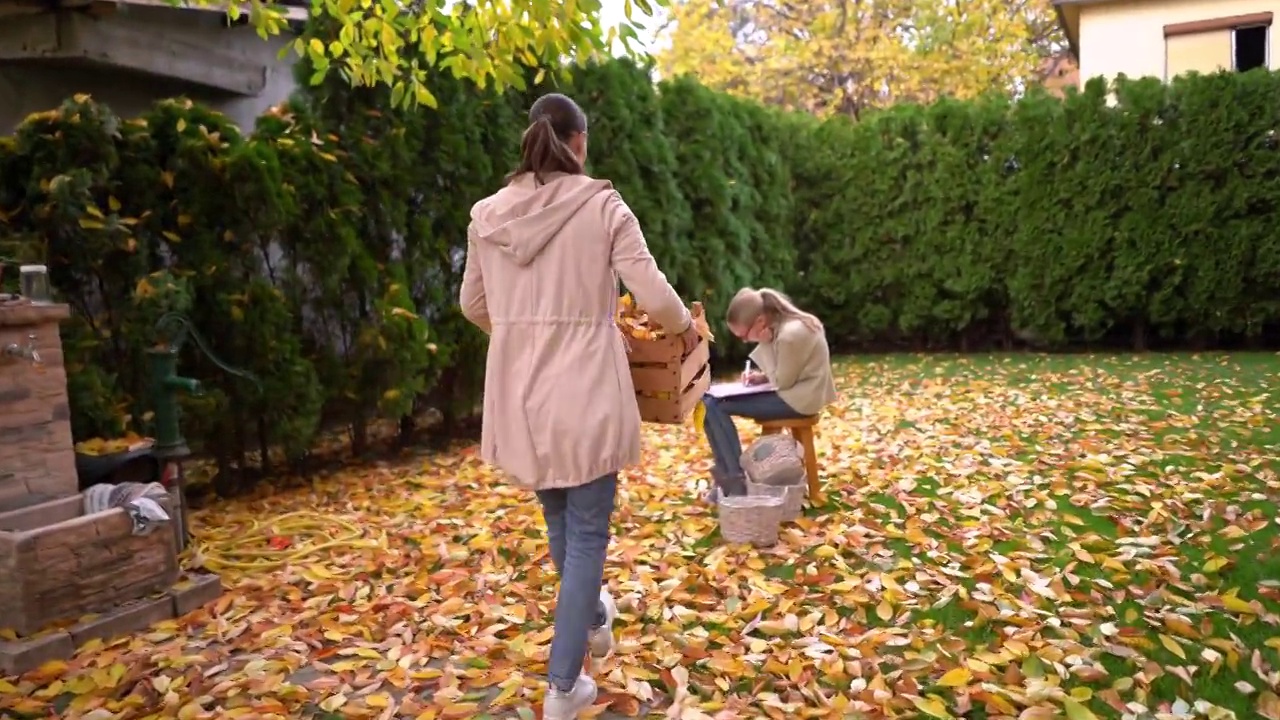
(289, 538)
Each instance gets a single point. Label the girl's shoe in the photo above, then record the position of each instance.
(729, 484)
(601, 639)
(560, 705)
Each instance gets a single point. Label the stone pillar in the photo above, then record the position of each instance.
(37, 457)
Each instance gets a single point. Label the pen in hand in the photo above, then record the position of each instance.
(746, 373)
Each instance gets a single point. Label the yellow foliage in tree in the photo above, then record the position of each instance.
(382, 42)
(845, 57)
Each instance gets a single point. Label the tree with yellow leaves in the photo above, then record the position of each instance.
(397, 44)
(845, 56)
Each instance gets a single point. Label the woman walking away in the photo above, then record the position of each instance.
(544, 255)
(791, 353)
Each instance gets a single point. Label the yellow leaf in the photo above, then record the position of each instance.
(1076, 711)
(884, 610)
(31, 707)
(333, 702)
(91, 224)
(182, 124)
(1215, 564)
(113, 203)
(1236, 605)
(171, 236)
(956, 677)
(933, 707)
(1179, 626)
(378, 700)
(1172, 646)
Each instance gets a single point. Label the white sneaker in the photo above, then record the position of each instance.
(560, 705)
(601, 639)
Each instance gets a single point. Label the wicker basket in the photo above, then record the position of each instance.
(751, 518)
(792, 497)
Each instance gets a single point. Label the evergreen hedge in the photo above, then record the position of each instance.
(1050, 222)
(322, 252)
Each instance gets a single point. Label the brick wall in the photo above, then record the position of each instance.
(36, 452)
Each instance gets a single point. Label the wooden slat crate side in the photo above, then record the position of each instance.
(664, 350)
(675, 410)
(655, 378)
(669, 376)
(692, 365)
(662, 411)
(689, 399)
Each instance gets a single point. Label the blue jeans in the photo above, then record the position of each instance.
(723, 436)
(578, 529)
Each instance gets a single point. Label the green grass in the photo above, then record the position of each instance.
(1113, 452)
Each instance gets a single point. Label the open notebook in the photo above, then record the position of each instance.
(734, 389)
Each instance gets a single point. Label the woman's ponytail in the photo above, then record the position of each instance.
(544, 148)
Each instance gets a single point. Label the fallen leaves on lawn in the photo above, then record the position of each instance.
(1021, 538)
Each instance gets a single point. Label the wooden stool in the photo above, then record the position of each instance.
(802, 430)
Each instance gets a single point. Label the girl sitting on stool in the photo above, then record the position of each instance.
(791, 353)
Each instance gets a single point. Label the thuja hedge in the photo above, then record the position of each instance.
(1055, 222)
(322, 251)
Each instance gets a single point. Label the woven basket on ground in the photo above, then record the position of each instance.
(751, 518)
(792, 497)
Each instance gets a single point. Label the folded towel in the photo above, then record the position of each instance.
(140, 500)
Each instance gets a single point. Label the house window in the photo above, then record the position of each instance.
(1249, 47)
(1239, 42)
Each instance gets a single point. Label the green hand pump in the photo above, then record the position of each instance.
(166, 384)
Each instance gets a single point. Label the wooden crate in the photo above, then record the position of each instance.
(58, 564)
(668, 384)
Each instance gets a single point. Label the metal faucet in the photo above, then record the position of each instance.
(14, 351)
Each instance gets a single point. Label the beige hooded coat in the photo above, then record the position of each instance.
(542, 270)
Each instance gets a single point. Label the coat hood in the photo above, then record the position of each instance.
(524, 216)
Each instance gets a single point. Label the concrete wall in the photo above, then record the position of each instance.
(1128, 37)
(33, 85)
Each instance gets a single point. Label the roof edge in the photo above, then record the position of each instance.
(1073, 43)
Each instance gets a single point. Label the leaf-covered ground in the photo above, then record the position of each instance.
(1021, 537)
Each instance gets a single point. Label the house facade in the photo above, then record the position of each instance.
(1167, 38)
(130, 53)
(1059, 72)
